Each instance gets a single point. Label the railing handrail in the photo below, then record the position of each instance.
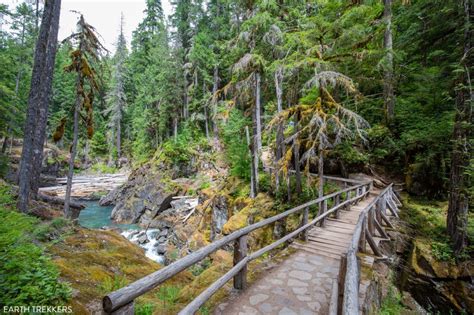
(334, 178)
(127, 294)
(204, 296)
(351, 282)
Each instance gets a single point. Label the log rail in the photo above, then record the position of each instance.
(122, 301)
(370, 219)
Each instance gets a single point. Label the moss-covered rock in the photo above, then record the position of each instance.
(92, 260)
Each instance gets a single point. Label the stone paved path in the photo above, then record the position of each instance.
(302, 284)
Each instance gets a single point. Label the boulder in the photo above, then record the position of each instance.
(144, 192)
(160, 249)
(142, 239)
(219, 214)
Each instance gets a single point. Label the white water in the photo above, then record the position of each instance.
(150, 248)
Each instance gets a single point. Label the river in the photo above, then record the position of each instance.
(95, 216)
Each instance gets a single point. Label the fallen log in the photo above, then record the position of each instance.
(59, 201)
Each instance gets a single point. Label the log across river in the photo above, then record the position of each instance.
(86, 186)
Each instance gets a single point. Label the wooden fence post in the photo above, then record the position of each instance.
(362, 240)
(240, 252)
(378, 210)
(304, 235)
(371, 218)
(324, 210)
(127, 309)
(341, 282)
(337, 201)
(348, 197)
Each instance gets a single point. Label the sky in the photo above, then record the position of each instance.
(104, 15)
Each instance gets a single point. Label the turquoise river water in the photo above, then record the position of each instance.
(95, 216)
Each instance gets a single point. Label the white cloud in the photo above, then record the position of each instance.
(104, 15)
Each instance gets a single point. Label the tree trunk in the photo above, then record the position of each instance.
(258, 121)
(297, 159)
(38, 99)
(215, 86)
(42, 116)
(206, 124)
(72, 157)
(186, 99)
(320, 176)
(119, 140)
(175, 128)
(388, 93)
(460, 158)
(253, 173)
(279, 135)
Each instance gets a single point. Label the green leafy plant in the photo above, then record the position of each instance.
(391, 304)
(144, 309)
(113, 283)
(27, 275)
(168, 294)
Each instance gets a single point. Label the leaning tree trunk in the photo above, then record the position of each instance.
(460, 158)
(38, 98)
(42, 116)
(70, 174)
(388, 93)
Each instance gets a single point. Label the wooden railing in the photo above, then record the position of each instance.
(370, 219)
(122, 300)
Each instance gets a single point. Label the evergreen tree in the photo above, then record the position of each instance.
(38, 102)
(116, 97)
(85, 54)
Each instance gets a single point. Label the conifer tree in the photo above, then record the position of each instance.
(83, 56)
(38, 102)
(116, 98)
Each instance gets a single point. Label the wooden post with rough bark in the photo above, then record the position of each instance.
(240, 252)
(337, 201)
(324, 210)
(304, 222)
(362, 240)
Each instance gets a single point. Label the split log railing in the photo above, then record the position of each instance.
(370, 219)
(122, 301)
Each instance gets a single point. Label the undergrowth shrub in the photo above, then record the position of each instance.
(27, 275)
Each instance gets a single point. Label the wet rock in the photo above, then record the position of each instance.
(142, 238)
(160, 249)
(409, 302)
(219, 215)
(445, 287)
(143, 193)
(164, 233)
(161, 239)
